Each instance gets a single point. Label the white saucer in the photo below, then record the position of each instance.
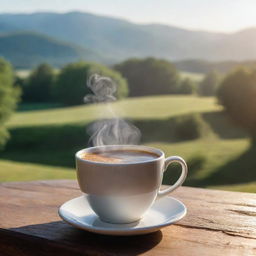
(165, 211)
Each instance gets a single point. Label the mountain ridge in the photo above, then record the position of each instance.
(117, 39)
(128, 21)
(28, 49)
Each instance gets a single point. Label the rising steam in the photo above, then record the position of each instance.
(115, 131)
(102, 87)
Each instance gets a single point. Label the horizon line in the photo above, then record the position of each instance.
(127, 20)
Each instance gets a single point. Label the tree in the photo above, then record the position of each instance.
(9, 96)
(71, 88)
(38, 87)
(149, 76)
(187, 86)
(209, 84)
(237, 93)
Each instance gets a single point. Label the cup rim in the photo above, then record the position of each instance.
(139, 147)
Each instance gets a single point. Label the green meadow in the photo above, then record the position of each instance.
(43, 142)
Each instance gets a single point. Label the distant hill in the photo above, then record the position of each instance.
(118, 39)
(115, 39)
(4, 27)
(202, 66)
(28, 49)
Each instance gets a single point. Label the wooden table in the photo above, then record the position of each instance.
(217, 223)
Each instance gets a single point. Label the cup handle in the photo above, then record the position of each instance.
(184, 172)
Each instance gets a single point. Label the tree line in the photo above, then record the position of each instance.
(134, 77)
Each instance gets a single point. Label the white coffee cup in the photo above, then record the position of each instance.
(122, 192)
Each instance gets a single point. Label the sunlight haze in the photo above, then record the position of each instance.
(218, 15)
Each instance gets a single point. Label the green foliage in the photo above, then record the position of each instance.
(39, 85)
(19, 81)
(71, 86)
(38, 106)
(237, 94)
(4, 135)
(149, 76)
(195, 163)
(187, 86)
(189, 127)
(8, 97)
(209, 84)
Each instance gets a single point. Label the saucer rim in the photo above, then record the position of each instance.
(118, 231)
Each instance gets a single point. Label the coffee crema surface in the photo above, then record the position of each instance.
(120, 156)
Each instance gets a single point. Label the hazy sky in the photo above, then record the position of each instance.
(214, 15)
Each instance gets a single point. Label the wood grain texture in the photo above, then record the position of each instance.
(217, 223)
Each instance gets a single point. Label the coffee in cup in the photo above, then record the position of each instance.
(122, 181)
(120, 156)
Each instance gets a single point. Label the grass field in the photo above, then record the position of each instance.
(135, 108)
(43, 142)
(16, 171)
